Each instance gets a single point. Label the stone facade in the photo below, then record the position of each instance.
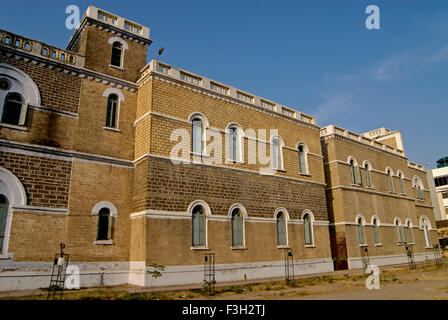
(66, 172)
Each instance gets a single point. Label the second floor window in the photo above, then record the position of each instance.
(198, 136)
(355, 173)
(117, 52)
(302, 160)
(389, 180)
(14, 109)
(112, 111)
(277, 162)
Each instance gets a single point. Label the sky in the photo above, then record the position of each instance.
(315, 56)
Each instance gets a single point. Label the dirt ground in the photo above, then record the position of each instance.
(396, 283)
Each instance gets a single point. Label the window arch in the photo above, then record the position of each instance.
(355, 173)
(302, 149)
(401, 182)
(199, 125)
(376, 234)
(368, 167)
(117, 54)
(199, 211)
(235, 143)
(282, 236)
(360, 221)
(400, 231)
(390, 173)
(106, 212)
(277, 152)
(112, 111)
(308, 221)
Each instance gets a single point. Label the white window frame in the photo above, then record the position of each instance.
(286, 215)
(113, 214)
(240, 144)
(305, 152)
(245, 216)
(208, 213)
(312, 219)
(281, 145)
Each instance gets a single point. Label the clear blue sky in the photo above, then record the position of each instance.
(314, 56)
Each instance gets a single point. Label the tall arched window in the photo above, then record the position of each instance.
(117, 53)
(308, 229)
(389, 180)
(281, 229)
(303, 166)
(418, 185)
(198, 226)
(400, 179)
(400, 232)
(104, 225)
(277, 150)
(14, 109)
(355, 173)
(426, 233)
(361, 235)
(198, 133)
(367, 174)
(376, 234)
(235, 136)
(112, 111)
(4, 206)
(237, 228)
(410, 237)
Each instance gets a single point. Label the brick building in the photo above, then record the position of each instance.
(379, 203)
(131, 164)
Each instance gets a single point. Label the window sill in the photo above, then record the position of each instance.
(378, 244)
(280, 170)
(116, 67)
(403, 194)
(103, 242)
(392, 192)
(194, 154)
(370, 187)
(199, 248)
(14, 127)
(305, 174)
(283, 247)
(363, 245)
(356, 185)
(238, 248)
(112, 129)
(228, 161)
(310, 246)
(401, 244)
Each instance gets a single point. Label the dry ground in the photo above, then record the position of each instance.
(427, 282)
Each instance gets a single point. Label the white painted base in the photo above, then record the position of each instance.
(356, 263)
(34, 275)
(194, 274)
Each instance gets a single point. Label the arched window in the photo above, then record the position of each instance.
(235, 136)
(308, 229)
(117, 53)
(376, 234)
(400, 179)
(198, 133)
(400, 232)
(410, 237)
(367, 168)
(355, 173)
(4, 206)
(104, 225)
(281, 229)
(198, 226)
(303, 165)
(237, 228)
(426, 232)
(14, 109)
(112, 111)
(389, 180)
(277, 153)
(361, 235)
(418, 185)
